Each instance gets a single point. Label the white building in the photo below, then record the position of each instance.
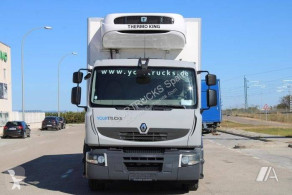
(5, 84)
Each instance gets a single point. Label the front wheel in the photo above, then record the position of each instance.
(95, 185)
(191, 185)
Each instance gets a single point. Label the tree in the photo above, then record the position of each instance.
(284, 102)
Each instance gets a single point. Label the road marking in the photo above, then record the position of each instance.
(67, 173)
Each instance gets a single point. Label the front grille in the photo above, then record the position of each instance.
(156, 167)
(144, 150)
(133, 134)
(144, 163)
(133, 158)
(136, 136)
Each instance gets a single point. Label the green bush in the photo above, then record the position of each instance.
(70, 117)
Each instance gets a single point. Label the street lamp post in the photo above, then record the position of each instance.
(72, 53)
(22, 68)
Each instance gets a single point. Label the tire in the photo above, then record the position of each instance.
(95, 185)
(28, 135)
(191, 186)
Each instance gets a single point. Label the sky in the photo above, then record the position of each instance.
(251, 38)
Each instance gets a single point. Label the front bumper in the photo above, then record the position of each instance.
(140, 165)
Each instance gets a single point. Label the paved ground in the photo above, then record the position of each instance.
(50, 163)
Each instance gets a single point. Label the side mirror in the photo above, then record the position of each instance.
(76, 95)
(210, 79)
(211, 98)
(87, 76)
(77, 77)
(143, 72)
(142, 76)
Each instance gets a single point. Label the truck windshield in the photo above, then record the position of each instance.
(161, 87)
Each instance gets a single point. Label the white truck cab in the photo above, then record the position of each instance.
(143, 110)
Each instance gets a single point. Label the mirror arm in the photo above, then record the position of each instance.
(88, 70)
(145, 65)
(85, 107)
(201, 71)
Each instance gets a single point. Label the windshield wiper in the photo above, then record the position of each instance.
(167, 107)
(123, 107)
(129, 107)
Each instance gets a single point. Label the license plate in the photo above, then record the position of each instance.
(142, 177)
(12, 128)
(49, 125)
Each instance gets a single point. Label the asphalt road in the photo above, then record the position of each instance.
(50, 163)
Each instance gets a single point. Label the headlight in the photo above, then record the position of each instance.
(98, 159)
(185, 160)
(189, 159)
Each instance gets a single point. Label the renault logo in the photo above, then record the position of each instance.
(143, 127)
(143, 19)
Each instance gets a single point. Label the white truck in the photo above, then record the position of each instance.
(143, 110)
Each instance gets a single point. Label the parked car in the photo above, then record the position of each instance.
(51, 122)
(16, 129)
(63, 122)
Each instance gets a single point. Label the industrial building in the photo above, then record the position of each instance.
(5, 84)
